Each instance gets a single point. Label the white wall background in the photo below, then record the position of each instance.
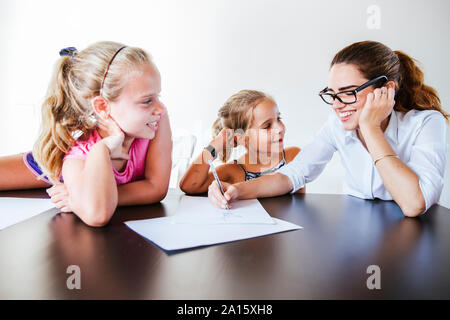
(208, 49)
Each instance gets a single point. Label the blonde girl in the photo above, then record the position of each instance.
(249, 118)
(105, 134)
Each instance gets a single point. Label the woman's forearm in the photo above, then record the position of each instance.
(269, 185)
(401, 182)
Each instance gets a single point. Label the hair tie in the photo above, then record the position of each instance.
(69, 51)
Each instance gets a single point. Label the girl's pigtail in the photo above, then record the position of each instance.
(217, 126)
(55, 136)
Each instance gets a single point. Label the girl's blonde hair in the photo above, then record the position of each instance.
(237, 114)
(67, 107)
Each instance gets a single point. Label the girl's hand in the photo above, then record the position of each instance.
(216, 197)
(378, 107)
(224, 140)
(60, 197)
(115, 137)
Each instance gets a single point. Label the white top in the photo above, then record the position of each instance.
(417, 137)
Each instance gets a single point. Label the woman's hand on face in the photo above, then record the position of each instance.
(224, 140)
(216, 197)
(114, 138)
(378, 107)
(60, 197)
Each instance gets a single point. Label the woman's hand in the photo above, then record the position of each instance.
(378, 107)
(216, 197)
(60, 197)
(114, 138)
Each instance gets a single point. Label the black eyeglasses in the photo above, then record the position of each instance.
(349, 96)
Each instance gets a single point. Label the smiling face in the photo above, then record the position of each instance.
(138, 108)
(344, 77)
(266, 132)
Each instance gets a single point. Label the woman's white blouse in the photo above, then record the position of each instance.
(417, 137)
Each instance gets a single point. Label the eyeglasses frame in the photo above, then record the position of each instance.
(354, 91)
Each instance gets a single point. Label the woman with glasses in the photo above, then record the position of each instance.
(388, 127)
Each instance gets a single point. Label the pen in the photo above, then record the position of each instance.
(213, 169)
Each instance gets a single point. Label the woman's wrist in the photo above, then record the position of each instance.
(368, 130)
(376, 142)
(367, 127)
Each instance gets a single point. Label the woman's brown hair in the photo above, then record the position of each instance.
(374, 59)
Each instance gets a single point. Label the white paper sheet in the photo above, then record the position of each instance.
(200, 210)
(15, 210)
(170, 236)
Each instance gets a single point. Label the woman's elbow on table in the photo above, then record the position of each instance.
(413, 210)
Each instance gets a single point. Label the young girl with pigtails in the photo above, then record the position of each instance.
(105, 137)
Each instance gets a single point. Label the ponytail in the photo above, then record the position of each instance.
(55, 137)
(412, 91)
(217, 127)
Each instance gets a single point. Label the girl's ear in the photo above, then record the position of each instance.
(100, 106)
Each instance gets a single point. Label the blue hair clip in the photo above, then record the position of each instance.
(69, 51)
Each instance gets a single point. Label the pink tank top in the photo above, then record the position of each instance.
(135, 167)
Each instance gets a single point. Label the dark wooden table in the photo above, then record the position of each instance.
(328, 259)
